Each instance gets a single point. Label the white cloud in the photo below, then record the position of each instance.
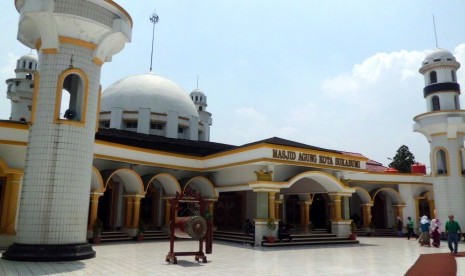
(369, 110)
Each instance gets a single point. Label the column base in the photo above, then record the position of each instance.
(48, 252)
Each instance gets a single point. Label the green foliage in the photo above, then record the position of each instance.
(403, 160)
(270, 224)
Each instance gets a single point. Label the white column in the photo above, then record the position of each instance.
(143, 123)
(172, 124)
(194, 128)
(116, 117)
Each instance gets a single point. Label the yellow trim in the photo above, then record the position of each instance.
(121, 10)
(97, 61)
(97, 122)
(437, 112)
(374, 182)
(435, 164)
(59, 91)
(438, 134)
(401, 201)
(14, 125)
(7, 170)
(139, 162)
(155, 177)
(272, 146)
(38, 44)
(14, 143)
(77, 42)
(150, 151)
(34, 97)
(50, 51)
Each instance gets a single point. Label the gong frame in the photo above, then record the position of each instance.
(194, 197)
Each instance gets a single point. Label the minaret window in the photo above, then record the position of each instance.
(200, 98)
(30, 65)
(454, 78)
(441, 162)
(132, 124)
(71, 96)
(196, 98)
(433, 77)
(24, 64)
(436, 103)
(200, 108)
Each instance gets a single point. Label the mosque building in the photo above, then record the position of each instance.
(119, 156)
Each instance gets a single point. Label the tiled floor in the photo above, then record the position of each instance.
(374, 256)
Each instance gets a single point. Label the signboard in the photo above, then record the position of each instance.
(315, 158)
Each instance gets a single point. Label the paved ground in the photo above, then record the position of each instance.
(374, 256)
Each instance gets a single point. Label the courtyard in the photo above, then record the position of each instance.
(373, 256)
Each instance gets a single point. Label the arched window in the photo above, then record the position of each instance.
(436, 103)
(441, 162)
(196, 98)
(200, 108)
(71, 97)
(454, 78)
(433, 77)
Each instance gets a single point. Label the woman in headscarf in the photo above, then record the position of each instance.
(424, 236)
(435, 232)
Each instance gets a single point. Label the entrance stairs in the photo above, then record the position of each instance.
(156, 235)
(114, 236)
(233, 236)
(315, 237)
(378, 232)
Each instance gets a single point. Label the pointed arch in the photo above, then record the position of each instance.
(130, 179)
(393, 194)
(329, 182)
(204, 186)
(168, 182)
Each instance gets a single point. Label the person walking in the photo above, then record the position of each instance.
(453, 230)
(435, 232)
(410, 228)
(424, 236)
(400, 225)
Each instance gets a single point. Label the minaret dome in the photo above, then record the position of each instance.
(441, 90)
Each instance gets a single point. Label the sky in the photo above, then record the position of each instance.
(341, 75)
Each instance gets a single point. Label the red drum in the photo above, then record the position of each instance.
(194, 227)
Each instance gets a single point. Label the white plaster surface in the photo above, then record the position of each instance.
(374, 256)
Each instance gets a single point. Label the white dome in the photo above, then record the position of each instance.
(438, 55)
(148, 91)
(28, 57)
(197, 92)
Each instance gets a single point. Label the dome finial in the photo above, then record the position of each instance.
(435, 34)
(154, 19)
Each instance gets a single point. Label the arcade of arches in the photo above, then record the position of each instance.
(122, 199)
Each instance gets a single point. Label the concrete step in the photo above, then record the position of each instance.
(320, 242)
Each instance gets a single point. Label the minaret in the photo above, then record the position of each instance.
(200, 101)
(20, 89)
(443, 125)
(73, 39)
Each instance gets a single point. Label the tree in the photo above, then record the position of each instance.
(403, 160)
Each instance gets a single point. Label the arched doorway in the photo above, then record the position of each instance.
(319, 212)
(378, 212)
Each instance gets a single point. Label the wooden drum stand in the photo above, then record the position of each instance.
(197, 231)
